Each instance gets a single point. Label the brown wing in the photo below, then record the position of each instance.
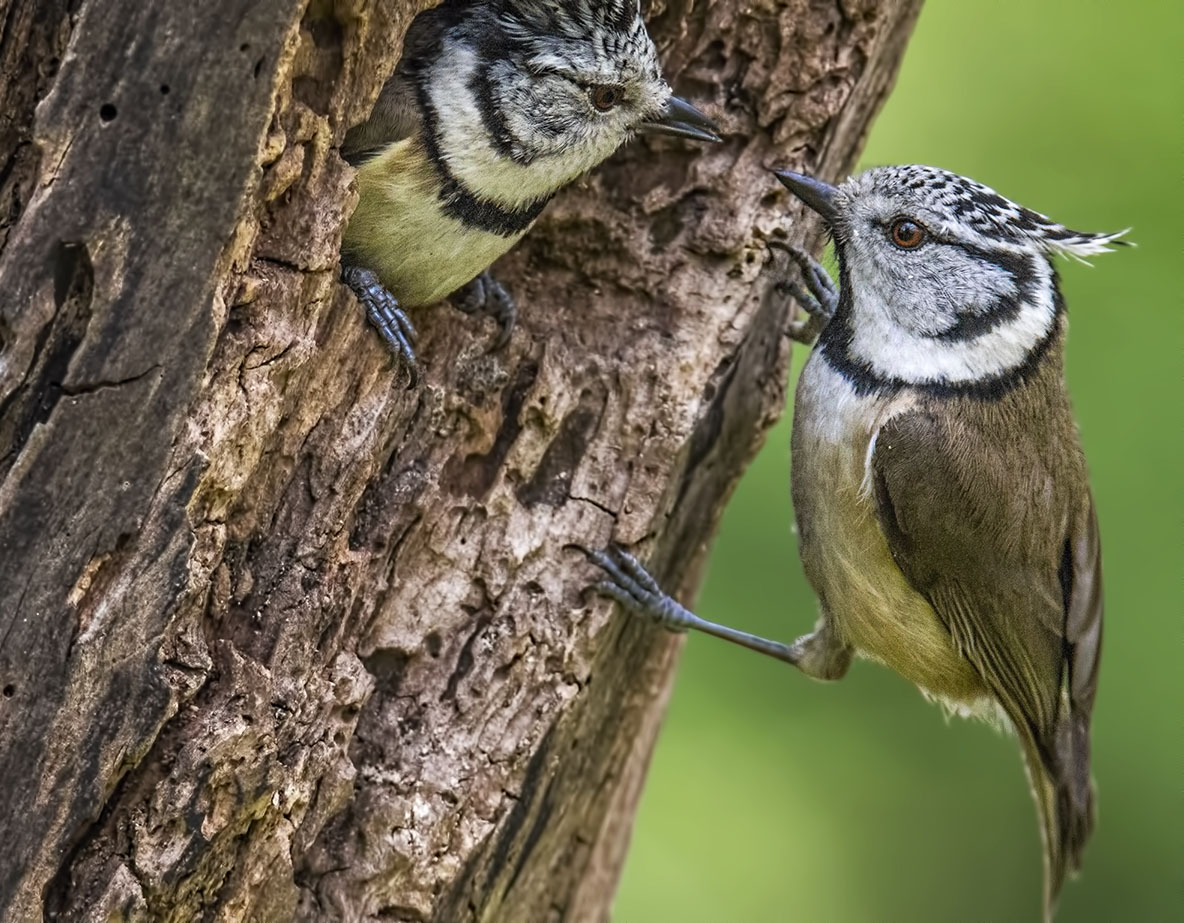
(394, 117)
(999, 534)
(396, 114)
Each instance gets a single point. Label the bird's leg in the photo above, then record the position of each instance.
(820, 654)
(485, 295)
(819, 299)
(385, 314)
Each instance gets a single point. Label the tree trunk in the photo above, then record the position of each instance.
(279, 638)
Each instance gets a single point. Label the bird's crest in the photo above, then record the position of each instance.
(572, 18)
(987, 213)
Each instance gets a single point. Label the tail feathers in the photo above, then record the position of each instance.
(1064, 802)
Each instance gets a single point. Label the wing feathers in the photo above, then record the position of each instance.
(1002, 540)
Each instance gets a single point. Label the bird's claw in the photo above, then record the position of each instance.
(629, 583)
(819, 298)
(485, 295)
(385, 314)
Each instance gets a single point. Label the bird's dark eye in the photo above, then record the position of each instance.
(906, 234)
(605, 97)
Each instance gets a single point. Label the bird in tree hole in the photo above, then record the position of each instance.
(493, 108)
(943, 507)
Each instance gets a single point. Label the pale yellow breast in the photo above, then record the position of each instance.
(398, 230)
(844, 551)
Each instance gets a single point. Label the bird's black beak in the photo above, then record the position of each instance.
(684, 120)
(818, 195)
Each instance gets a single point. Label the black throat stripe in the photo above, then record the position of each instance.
(481, 86)
(458, 201)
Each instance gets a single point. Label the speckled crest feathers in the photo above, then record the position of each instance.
(572, 18)
(976, 207)
(612, 31)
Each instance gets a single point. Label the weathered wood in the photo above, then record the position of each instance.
(279, 638)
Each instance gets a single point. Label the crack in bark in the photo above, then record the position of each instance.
(34, 399)
(464, 660)
(96, 387)
(614, 514)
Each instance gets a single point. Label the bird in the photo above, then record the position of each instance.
(493, 108)
(942, 502)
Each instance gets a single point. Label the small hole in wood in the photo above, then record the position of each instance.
(9, 691)
(164, 89)
(107, 112)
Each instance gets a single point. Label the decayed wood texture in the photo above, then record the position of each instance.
(279, 638)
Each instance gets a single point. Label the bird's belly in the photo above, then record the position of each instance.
(399, 230)
(428, 257)
(844, 552)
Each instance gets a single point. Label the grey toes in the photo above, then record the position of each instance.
(820, 297)
(630, 584)
(500, 305)
(384, 313)
(486, 296)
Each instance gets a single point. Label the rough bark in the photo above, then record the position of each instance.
(279, 638)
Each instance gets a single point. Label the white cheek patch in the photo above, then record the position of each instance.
(463, 141)
(894, 351)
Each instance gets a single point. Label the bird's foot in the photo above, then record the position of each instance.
(486, 296)
(630, 584)
(384, 313)
(819, 298)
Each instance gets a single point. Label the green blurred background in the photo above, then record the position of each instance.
(773, 797)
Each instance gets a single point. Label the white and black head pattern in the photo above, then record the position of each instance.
(523, 96)
(945, 283)
(582, 76)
